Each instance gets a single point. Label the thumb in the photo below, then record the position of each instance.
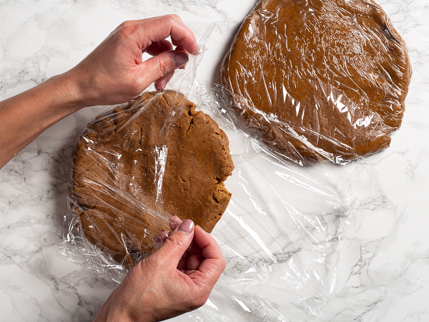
(161, 65)
(178, 242)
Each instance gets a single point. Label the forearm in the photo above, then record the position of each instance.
(25, 116)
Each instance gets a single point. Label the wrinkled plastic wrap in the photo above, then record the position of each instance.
(120, 205)
(317, 79)
(280, 232)
(136, 167)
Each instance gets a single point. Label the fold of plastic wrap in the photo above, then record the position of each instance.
(317, 80)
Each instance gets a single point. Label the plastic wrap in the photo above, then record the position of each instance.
(279, 233)
(120, 205)
(316, 80)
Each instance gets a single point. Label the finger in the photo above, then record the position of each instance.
(177, 243)
(180, 48)
(160, 239)
(162, 82)
(159, 47)
(209, 247)
(214, 263)
(160, 65)
(194, 261)
(164, 235)
(174, 222)
(160, 28)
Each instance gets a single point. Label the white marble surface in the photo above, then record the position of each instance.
(353, 247)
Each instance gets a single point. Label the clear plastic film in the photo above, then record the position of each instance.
(134, 167)
(317, 80)
(280, 232)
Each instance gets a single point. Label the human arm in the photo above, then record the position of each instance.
(113, 73)
(175, 279)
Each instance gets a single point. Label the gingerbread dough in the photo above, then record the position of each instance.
(318, 79)
(135, 168)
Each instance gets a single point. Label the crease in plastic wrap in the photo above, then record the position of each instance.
(317, 80)
(279, 233)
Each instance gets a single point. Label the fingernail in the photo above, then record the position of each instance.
(181, 59)
(187, 226)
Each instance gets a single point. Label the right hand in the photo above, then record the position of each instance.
(176, 279)
(114, 72)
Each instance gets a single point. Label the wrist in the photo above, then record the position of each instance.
(70, 90)
(112, 315)
(118, 310)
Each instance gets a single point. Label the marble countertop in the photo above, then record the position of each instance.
(330, 243)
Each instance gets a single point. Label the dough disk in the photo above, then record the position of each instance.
(135, 168)
(318, 79)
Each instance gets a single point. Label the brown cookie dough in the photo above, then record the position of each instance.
(318, 79)
(135, 168)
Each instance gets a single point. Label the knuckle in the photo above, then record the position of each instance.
(174, 18)
(163, 66)
(123, 33)
(125, 24)
(126, 29)
(174, 242)
(156, 261)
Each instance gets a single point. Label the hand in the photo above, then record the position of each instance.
(176, 279)
(115, 73)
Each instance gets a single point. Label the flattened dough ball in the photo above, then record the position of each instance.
(318, 79)
(135, 168)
